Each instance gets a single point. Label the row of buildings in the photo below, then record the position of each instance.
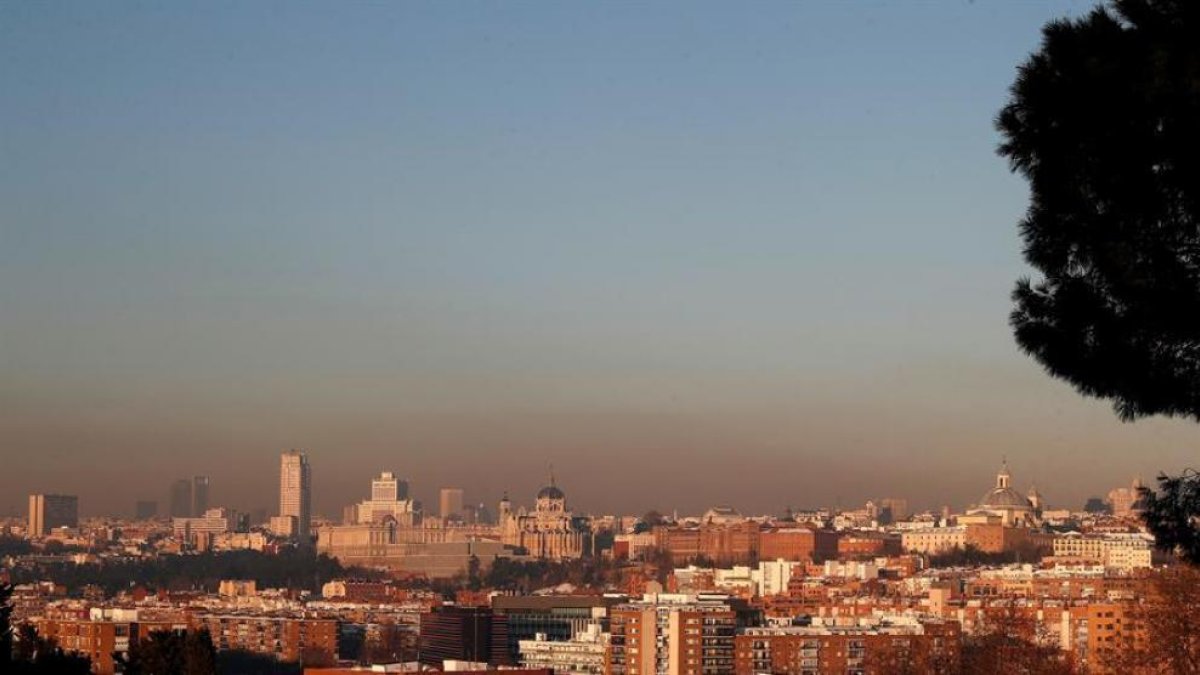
(388, 531)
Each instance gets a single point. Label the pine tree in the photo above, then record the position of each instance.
(1104, 123)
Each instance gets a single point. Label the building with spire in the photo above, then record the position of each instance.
(550, 530)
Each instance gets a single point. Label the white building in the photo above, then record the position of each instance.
(1011, 507)
(934, 539)
(584, 654)
(1115, 551)
(1125, 559)
(214, 521)
(774, 576)
(549, 531)
(388, 488)
(771, 577)
(238, 541)
(852, 569)
(673, 633)
(295, 492)
(389, 499)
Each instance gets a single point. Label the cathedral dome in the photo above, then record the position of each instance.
(1004, 497)
(550, 492)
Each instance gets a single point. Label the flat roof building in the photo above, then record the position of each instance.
(48, 512)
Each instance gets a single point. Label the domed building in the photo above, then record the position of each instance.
(550, 530)
(1007, 504)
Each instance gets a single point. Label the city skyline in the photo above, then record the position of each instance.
(295, 494)
(539, 338)
(647, 244)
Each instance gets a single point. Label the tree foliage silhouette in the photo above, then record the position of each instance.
(1104, 123)
(6, 629)
(23, 651)
(173, 652)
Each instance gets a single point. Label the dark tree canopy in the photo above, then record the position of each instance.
(1104, 122)
(6, 630)
(24, 652)
(173, 652)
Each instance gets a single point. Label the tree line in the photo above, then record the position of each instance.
(291, 568)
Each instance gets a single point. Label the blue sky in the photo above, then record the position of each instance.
(463, 240)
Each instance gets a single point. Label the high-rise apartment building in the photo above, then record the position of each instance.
(451, 502)
(181, 499)
(47, 512)
(677, 634)
(295, 491)
(199, 496)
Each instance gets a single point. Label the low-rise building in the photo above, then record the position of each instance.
(586, 653)
(932, 540)
(871, 647)
(284, 637)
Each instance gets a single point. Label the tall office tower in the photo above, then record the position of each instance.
(181, 499)
(145, 509)
(295, 491)
(385, 488)
(47, 512)
(199, 495)
(898, 506)
(451, 502)
(386, 501)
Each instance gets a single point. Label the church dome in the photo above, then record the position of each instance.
(550, 492)
(1004, 497)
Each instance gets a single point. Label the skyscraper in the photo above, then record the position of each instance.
(146, 509)
(199, 496)
(387, 500)
(47, 512)
(451, 502)
(295, 491)
(181, 499)
(388, 488)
